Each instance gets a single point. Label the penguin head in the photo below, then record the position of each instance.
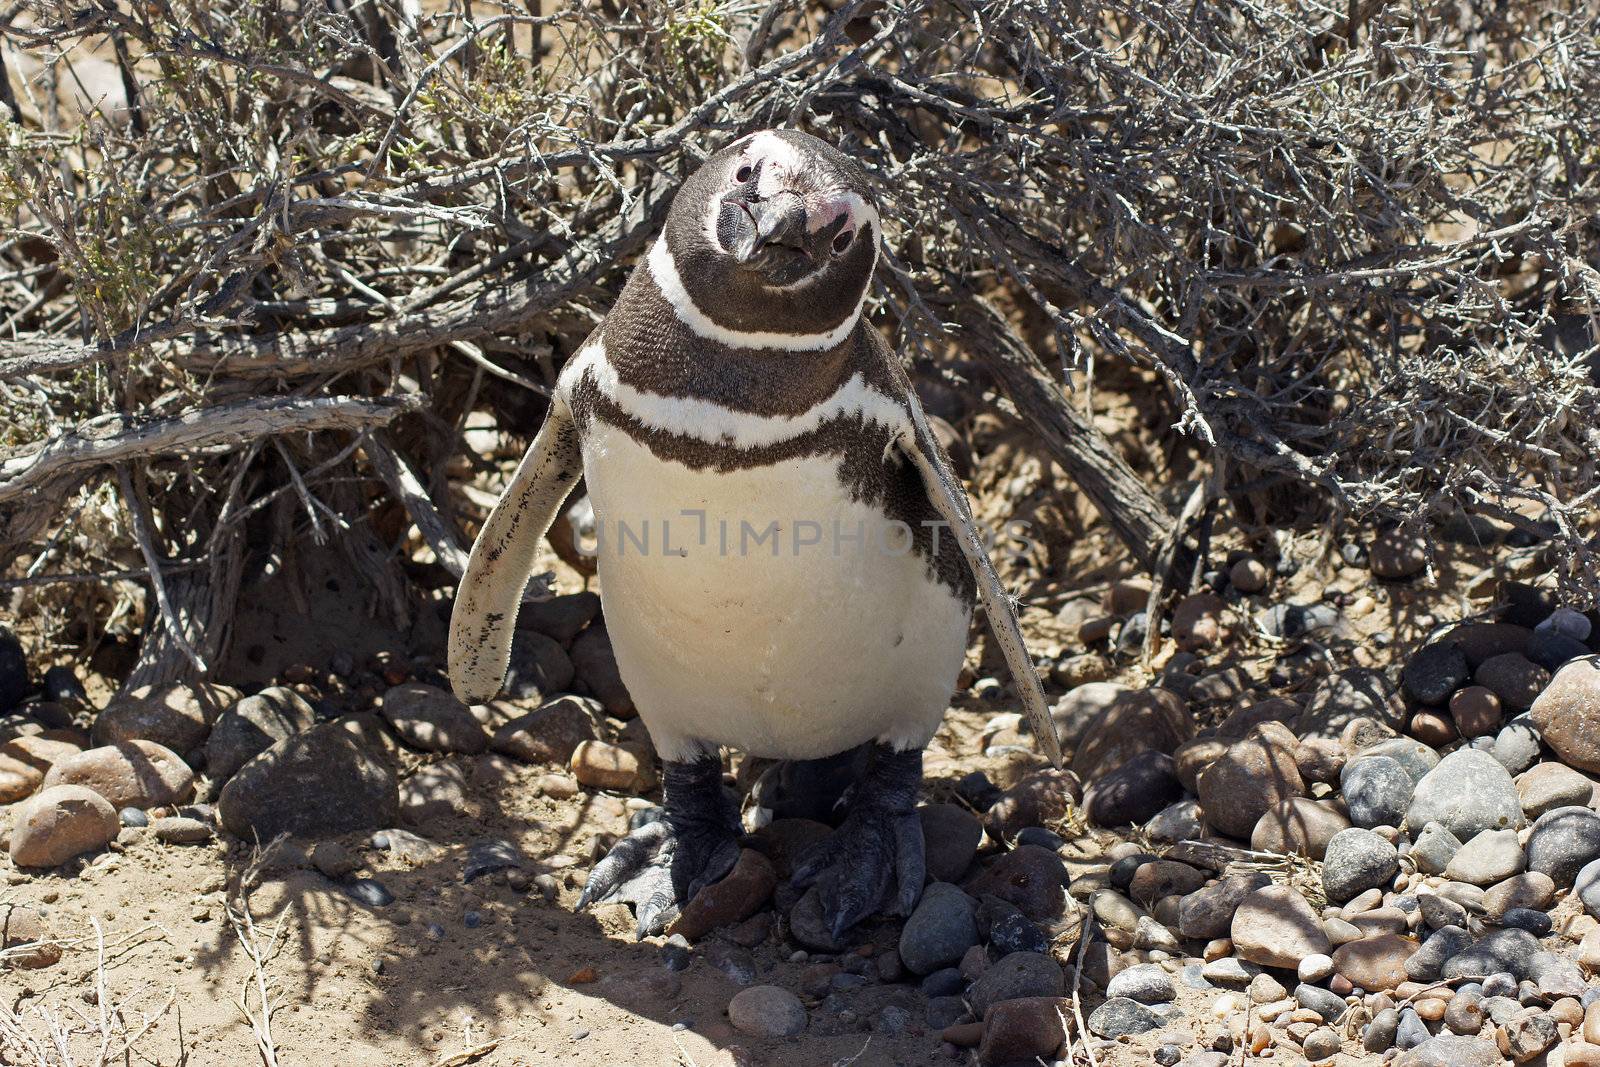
(776, 229)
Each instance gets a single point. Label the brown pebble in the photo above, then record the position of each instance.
(1567, 1010)
(1476, 711)
(1431, 1010)
(963, 1035)
(1591, 1024)
(1432, 729)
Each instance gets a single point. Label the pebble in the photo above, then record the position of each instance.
(177, 715)
(1434, 672)
(1552, 650)
(600, 765)
(1397, 554)
(1433, 848)
(1136, 722)
(1321, 1044)
(1377, 791)
(735, 897)
(550, 732)
(1503, 950)
(369, 891)
(1121, 1017)
(1516, 746)
(1379, 1034)
(1412, 1031)
(1528, 1035)
(952, 835)
(1229, 971)
(1043, 797)
(180, 830)
(1147, 983)
(1248, 575)
(60, 822)
(1357, 860)
(251, 726)
(1348, 695)
(1451, 1050)
(1514, 678)
(1249, 778)
(1329, 1006)
(767, 1011)
(1377, 962)
(1021, 974)
(1562, 841)
(1586, 887)
(1033, 878)
(1179, 821)
(539, 668)
(1490, 857)
(319, 783)
(1023, 1030)
(1134, 792)
(1475, 711)
(940, 930)
(129, 774)
(1547, 786)
(1300, 826)
(1533, 889)
(1469, 791)
(1289, 621)
(1275, 927)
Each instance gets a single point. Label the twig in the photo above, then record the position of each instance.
(139, 511)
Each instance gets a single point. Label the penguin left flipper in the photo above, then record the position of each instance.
(919, 445)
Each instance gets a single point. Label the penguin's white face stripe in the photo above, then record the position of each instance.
(664, 269)
(706, 421)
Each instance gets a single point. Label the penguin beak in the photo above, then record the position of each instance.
(777, 224)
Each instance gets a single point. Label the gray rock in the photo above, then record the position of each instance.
(1329, 1005)
(1379, 1033)
(1228, 971)
(1452, 1050)
(1377, 791)
(1417, 758)
(1468, 792)
(1516, 746)
(1433, 848)
(1133, 792)
(319, 783)
(1434, 672)
(252, 726)
(1289, 621)
(1491, 856)
(1351, 694)
(1121, 1017)
(1555, 975)
(433, 720)
(1427, 963)
(1175, 822)
(939, 931)
(1412, 1031)
(369, 891)
(1511, 951)
(1080, 706)
(1552, 650)
(1357, 860)
(1208, 912)
(767, 1011)
(1146, 982)
(1547, 786)
(1439, 912)
(1562, 842)
(1021, 974)
(539, 667)
(1586, 887)
(561, 617)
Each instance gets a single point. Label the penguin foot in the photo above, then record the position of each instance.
(661, 865)
(874, 862)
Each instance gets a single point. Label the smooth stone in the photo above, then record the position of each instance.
(1516, 746)
(1444, 944)
(1586, 887)
(319, 783)
(1033, 878)
(552, 731)
(1468, 792)
(1452, 1050)
(1020, 974)
(129, 774)
(1357, 860)
(1433, 848)
(735, 897)
(539, 668)
(1562, 841)
(1326, 1003)
(940, 930)
(1375, 963)
(58, 823)
(1138, 721)
(1533, 889)
(1275, 927)
(177, 715)
(251, 726)
(1491, 856)
(1417, 758)
(1023, 1030)
(1147, 983)
(1208, 912)
(1567, 713)
(1042, 798)
(1156, 879)
(369, 891)
(1122, 1017)
(1377, 791)
(1298, 826)
(180, 830)
(1552, 650)
(1506, 950)
(1079, 706)
(431, 719)
(952, 835)
(1179, 821)
(1348, 695)
(1434, 672)
(1229, 971)
(1547, 786)
(1476, 711)
(1439, 912)
(1255, 773)
(1133, 793)
(767, 1011)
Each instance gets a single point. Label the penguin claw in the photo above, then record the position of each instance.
(873, 863)
(658, 868)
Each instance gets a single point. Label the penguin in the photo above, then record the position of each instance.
(788, 564)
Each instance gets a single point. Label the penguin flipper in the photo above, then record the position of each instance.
(485, 613)
(949, 499)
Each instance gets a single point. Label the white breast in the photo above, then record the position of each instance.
(745, 611)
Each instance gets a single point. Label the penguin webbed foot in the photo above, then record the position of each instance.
(874, 861)
(661, 865)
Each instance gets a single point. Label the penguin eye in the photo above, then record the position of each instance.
(742, 175)
(841, 240)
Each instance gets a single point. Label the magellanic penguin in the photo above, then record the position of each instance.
(788, 564)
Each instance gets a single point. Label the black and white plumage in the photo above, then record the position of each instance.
(788, 564)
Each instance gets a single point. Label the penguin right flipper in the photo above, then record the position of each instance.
(485, 613)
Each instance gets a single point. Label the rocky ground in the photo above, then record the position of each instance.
(1345, 814)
